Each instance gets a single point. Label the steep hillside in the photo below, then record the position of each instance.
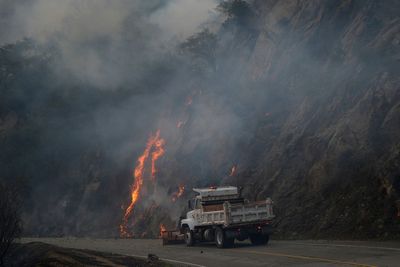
(329, 152)
(301, 97)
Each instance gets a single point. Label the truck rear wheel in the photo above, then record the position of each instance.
(259, 239)
(189, 237)
(221, 240)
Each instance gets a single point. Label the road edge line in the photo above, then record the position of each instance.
(301, 257)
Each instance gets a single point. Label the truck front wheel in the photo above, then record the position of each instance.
(221, 240)
(259, 239)
(189, 237)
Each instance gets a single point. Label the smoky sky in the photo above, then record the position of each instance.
(102, 41)
(80, 20)
(103, 47)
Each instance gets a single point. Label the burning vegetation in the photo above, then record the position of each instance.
(162, 228)
(153, 151)
(178, 193)
(233, 170)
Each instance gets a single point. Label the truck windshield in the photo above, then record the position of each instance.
(192, 204)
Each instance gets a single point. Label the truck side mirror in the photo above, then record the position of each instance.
(190, 204)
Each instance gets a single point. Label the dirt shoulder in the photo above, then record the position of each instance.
(41, 254)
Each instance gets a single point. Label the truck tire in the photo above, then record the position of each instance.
(221, 240)
(258, 240)
(189, 237)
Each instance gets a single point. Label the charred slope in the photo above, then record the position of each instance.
(328, 152)
(302, 96)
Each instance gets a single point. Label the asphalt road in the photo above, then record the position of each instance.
(277, 253)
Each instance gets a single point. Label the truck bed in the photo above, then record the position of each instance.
(236, 214)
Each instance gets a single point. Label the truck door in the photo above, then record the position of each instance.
(199, 211)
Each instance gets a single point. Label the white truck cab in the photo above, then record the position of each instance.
(220, 214)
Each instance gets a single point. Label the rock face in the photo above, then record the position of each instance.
(331, 161)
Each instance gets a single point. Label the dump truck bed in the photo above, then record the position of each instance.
(230, 215)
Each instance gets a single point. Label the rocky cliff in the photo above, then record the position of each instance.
(328, 151)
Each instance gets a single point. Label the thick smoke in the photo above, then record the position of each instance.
(103, 42)
(267, 87)
(130, 51)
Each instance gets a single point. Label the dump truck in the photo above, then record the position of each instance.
(221, 215)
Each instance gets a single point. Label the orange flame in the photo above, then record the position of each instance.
(233, 171)
(156, 144)
(157, 153)
(162, 228)
(178, 194)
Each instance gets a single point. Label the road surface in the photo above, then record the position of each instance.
(277, 253)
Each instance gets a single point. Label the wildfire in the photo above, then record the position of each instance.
(154, 150)
(233, 171)
(178, 193)
(157, 153)
(162, 228)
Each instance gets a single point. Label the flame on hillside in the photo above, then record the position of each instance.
(157, 153)
(162, 229)
(178, 193)
(153, 151)
(233, 171)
